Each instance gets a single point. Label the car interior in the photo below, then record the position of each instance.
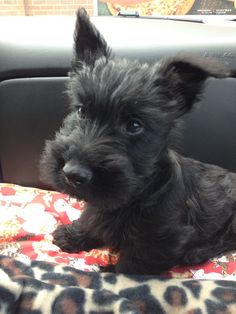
(35, 58)
(37, 64)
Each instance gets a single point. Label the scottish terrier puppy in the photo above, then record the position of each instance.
(155, 207)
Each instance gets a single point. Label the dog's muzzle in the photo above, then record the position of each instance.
(76, 174)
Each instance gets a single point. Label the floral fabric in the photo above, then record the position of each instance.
(28, 216)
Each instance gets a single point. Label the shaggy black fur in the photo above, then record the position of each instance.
(157, 208)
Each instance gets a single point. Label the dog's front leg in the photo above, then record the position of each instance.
(131, 266)
(154, 259)
(131, 263)
(75, 238)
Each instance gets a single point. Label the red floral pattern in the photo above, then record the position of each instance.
(29, 216)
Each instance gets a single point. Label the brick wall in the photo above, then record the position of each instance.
(12, 7)
(44, 7)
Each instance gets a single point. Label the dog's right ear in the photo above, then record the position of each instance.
(89, 43)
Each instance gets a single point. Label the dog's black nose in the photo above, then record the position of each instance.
(76, 174)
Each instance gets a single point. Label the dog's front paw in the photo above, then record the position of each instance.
(66, 241)
(107, 269)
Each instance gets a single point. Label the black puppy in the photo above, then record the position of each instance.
(157, 208)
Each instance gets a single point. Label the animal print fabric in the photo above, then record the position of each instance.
(42, 287)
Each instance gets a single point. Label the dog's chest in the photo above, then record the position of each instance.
(115, 227)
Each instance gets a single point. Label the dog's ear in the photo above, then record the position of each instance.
(89, 45)
(184, 79)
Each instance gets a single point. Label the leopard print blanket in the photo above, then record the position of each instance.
(42, 287)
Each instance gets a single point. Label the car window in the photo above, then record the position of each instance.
(171, 7)
(114, 7)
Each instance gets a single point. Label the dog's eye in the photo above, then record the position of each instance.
(80, 111)
(134, 126)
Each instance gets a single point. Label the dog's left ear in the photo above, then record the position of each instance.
(184, 78)
(89, 44)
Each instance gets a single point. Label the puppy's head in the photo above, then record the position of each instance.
(114, 141)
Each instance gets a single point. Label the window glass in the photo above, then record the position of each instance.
(169, 7)
(113, 7)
